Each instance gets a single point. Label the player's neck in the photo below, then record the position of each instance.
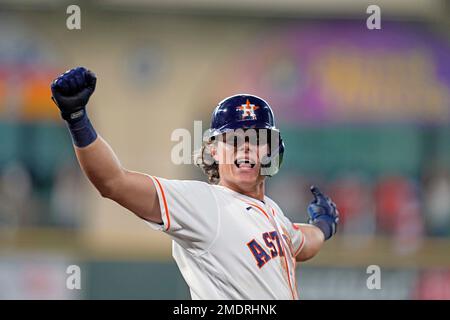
(256, 191)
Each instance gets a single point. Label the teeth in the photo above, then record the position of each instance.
(239, 161)
(244, 163)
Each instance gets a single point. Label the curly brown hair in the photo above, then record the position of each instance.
(205, 161)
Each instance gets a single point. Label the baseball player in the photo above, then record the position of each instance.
(230, 241)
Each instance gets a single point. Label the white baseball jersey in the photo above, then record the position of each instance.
(228, 245)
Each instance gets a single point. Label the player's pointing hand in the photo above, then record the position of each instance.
(323, 213)
(318, 195)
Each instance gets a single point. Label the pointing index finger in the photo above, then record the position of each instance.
(316, 192)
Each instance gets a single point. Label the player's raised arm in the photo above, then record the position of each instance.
(135, 191)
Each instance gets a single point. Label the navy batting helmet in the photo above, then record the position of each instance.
(245, 111)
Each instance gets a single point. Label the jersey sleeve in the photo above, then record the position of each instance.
(297, 238)
(188, 210)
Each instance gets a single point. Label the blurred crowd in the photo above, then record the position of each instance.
(39, 179)
(395, 205)
(44, 190)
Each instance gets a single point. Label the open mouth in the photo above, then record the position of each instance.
(244, 163)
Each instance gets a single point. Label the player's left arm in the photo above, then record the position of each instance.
(322, 225)
(314, 240)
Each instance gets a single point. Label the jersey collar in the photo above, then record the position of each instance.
(243, 196)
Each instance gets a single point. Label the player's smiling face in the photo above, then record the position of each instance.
(239, 155)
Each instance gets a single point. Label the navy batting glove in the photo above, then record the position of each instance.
(323, 213)
(71, 92)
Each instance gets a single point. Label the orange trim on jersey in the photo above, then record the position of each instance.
(295, 283)
(289, 276)
(284, 256)
(288, 240)
(258, 207)
(166, 209)
(301, 245)
(273, 212)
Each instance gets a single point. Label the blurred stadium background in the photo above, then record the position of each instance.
(365, 114)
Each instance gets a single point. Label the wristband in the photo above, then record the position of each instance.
(81, 129)
(327, 227)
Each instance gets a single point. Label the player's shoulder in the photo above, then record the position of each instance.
(273, 204)
(226, 192)
(270, 201)
(188, 186)
(193, 183)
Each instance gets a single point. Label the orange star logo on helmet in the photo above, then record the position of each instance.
(248, 110)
